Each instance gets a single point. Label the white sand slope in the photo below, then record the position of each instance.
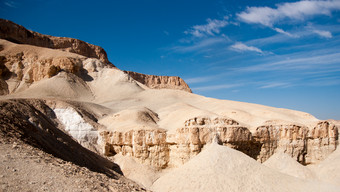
(131, 119)
(64, 85)
(283, 163)
(329, 169)
(219, 168)
(173, 116)
(142, 174)
(112, 84)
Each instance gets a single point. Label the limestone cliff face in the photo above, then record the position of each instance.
(305, 145)
(162, 149)
(160, 82)
(18, 34)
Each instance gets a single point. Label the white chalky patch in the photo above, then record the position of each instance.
(76, 126)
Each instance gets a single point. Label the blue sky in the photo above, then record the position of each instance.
(279, 53)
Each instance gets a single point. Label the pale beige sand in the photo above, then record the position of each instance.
(63, 85)
(219, 168)
(251, 115)
(283, 163)
(142, 174)
(131, 119)
(329, 169)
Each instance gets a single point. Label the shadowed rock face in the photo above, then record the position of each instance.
(160, 82)
(18, 34)
(35, 123)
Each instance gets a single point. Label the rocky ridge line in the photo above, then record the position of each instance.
(19, 34)
(160, 82)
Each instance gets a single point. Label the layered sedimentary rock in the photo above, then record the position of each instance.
(162, 149)
(19, 34)
(160, 82)
(22, 65)
(305, 145)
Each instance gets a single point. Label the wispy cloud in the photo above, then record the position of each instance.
(212, 27)
(284, 32)
(302, 62)
(201, 44)
(300, 10)
(199, 79)
(296, 11)
(276, 84)
(216, 87)
(242, 47)
(322, 33)
(11, 4)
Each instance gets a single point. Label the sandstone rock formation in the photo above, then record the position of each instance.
(160, 82)
(305, 145)
(162, 149)
(18, 34)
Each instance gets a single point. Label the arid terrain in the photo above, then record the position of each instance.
(71, 121)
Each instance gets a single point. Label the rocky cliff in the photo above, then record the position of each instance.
(22, 65)
(18, 34)
(160, 82)
(305, 145)
(162, 149)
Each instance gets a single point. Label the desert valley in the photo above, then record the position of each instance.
(72, 121)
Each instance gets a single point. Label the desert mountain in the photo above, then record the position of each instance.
(61, 95)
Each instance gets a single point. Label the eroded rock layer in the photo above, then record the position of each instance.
(19, 34)
(305, 145)
(161, 149)
(160, 82)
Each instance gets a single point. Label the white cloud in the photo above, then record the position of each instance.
(216, 87)
(301, 62)
(199, 79)
(297, 11)
(212, 27)
(11, 4)
(202, 44)
(275, 84)
(242, 47)
(283, 32)
(322, 33)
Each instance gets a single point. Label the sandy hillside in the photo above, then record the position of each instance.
(287, 165)
(329, 169)
(219, 168)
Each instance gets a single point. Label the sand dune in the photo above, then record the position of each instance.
(285, 164)
(219, 168)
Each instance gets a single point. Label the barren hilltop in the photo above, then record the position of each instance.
(71, 121)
